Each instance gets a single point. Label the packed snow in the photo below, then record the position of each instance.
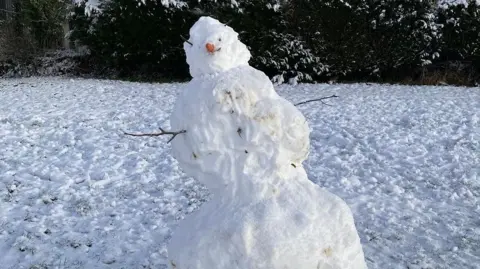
(209, 37)
(246, 144)
(78, 193)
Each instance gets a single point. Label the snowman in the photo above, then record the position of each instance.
(246, 144)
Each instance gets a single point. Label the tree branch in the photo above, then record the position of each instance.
(186, 40)
(318, 99)
(162, 132)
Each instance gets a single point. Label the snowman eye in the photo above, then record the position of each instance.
(220, 39)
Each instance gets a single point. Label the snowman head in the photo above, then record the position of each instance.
(214, 47)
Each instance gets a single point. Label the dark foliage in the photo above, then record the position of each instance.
(304, 40)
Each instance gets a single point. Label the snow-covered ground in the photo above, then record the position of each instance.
(77, 193)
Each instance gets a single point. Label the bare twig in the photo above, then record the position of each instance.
(318, 99)
(186, 40)
(162, 132)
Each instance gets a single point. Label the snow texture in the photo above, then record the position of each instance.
(90, 5)
(77, 193)
(447, 3)
(246, 144)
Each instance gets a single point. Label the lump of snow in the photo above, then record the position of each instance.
(247, 145)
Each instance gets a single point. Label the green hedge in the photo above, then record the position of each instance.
(301, 40)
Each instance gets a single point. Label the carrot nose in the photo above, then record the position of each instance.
(210, 47)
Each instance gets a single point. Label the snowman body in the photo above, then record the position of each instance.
(246, 144)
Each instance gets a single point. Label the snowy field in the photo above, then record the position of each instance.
(77, 193)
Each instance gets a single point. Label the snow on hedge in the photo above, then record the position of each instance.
(447, 3)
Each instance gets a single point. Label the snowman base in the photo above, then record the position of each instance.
(296, 226)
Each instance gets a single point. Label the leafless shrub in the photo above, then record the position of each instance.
(32, 27)
(450, 73)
